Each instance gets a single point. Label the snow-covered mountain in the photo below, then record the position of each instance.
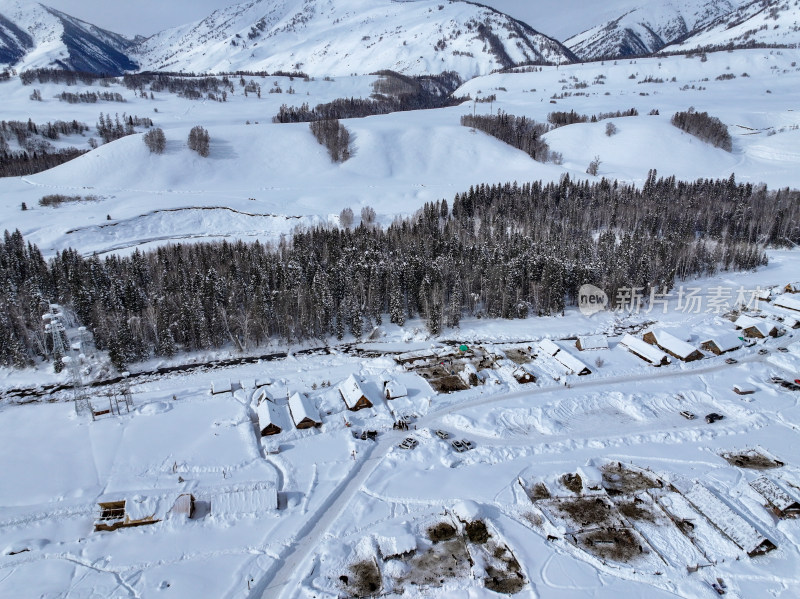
(340, 37)
(33, 35)
(758, 22)
(648, 28)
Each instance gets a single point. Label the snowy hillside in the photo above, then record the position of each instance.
(327, 37)
(648, 28)
(34, 36)
(759, 22)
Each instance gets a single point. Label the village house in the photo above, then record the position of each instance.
(643, 350)
(673, 346)
(592, 342)
(393, 389)
(722, 344)
(269, 420)
(304, 414)
(353, 395)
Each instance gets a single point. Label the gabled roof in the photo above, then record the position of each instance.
(649, 352)
(351, 391)
(302, 408)
(593, 342)
(395, 389)
(563, 357)
(269, 414)
(789, 302)
(764, 328)
(673, 345)
(745, 321)
(726, 341)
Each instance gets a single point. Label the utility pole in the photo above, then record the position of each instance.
(54, 325)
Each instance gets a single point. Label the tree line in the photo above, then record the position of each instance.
(496, 251)
(518, 131)
(703, 126)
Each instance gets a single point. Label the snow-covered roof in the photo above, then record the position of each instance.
(745, 321)
(725, 341)
(566, 359)
(732, 524)
(301, 407)
(673, 345)
(589, 342)
(141, 507)
(262, 394)
(789, 302)
(395, 541)
(645, 350)
(351, 391)
(246, 498)
(763, 328)
(395, 389)
(773, 493)
(221, 386)
(268, 414)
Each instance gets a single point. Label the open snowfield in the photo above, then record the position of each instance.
(261, 180)
(662, 505)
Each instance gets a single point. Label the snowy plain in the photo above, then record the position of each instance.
(339, 498)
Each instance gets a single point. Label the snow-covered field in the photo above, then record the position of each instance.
(261, 180)
(323, 513)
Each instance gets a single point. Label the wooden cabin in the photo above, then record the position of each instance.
(673, 346)
(353, 395)
(304, 413)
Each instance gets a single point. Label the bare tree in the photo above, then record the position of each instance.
(594, 166)
(346, 218)
(155, 140)
(199, 140)
(367, 215)
(611, 129)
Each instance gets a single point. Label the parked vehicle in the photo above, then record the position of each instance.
(458, 446)
(713, 417)
(783, 349)
(688, 415)
(467, 444)
(408, 443)
(442, 434)
(731, 361)
(763, 351)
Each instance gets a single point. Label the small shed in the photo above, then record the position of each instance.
(722, 344)
(592, 342)
(353, 394)
(761, 330)
(791, 323)
(675, 347)
(183, 507)
(643, 350)
(221, 386)
(269, 420)
(788, 302)
(393, 389)
(124, 513)
(782, 503)
(396, 543)
(304, 413)
(743, 390)
(262, 394)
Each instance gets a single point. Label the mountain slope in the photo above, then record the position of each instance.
(340, 37)
(33, 36)
(759, 22)
(648, 28)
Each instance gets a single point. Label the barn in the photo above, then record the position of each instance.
(353, 395)
(304, 413)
